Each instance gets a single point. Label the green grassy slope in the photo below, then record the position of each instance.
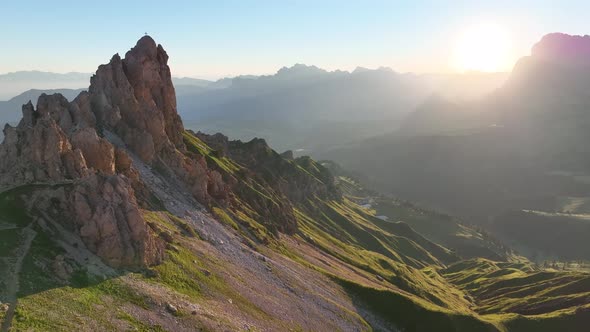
(523, 297)
(399, 251)
(408, 269)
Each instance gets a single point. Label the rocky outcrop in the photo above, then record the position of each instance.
(61, 142)
(216, 187)
(135, 98)
(296, 178)
(56, 143)
(146, 66)
(564, 49)
(110, 223)
(114, 105)
(38, 149)
(288, 155)
(218, 142)
(98, 152)
(103, 211)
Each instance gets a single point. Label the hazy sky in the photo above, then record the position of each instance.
(211, 39)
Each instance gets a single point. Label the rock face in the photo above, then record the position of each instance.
(558, 69)
(38, 149)
(147, 69)
(62, 142)
(98, 152)
(563, 48)
(110, 223)
(135, 98)
(57, 144)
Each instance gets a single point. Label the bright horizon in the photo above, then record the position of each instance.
(425, 37)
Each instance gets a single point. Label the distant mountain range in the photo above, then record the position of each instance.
(524, 147)
(18, 88)
(16, 83)
(302, 106)
(299, 107)
(13, 84)
(308, 108)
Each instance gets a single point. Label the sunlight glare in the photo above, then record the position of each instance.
(483, 47)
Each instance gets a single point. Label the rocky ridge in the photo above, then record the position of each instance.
(133, 99)
(289, 182)
(61, 142)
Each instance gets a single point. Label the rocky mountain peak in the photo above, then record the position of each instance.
(300, 70)
(563, 48)
(57, 150)
(94, 158)
(558, 66)
(72, 145)
(145, 47)
(135, 98)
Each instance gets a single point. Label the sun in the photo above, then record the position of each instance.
(483, 47)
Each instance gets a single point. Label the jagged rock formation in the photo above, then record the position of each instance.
(133, 99)
(110, 222)
(61, 142)
(38, 149)
(56, 143)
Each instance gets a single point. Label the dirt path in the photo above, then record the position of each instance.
(13, 281)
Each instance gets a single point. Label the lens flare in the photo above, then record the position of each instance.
(483, 47)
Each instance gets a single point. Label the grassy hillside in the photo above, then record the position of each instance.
(546, 235)
(522, 297)
(341, 266)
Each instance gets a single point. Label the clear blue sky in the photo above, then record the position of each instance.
(219, 38)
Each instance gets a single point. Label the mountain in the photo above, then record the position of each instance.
(299, 107)
(564, 49)
(15, 84)
(114, 217)
(522, 148)
(296, 107)
(191, 82)
(309, 108)
(466, 86)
